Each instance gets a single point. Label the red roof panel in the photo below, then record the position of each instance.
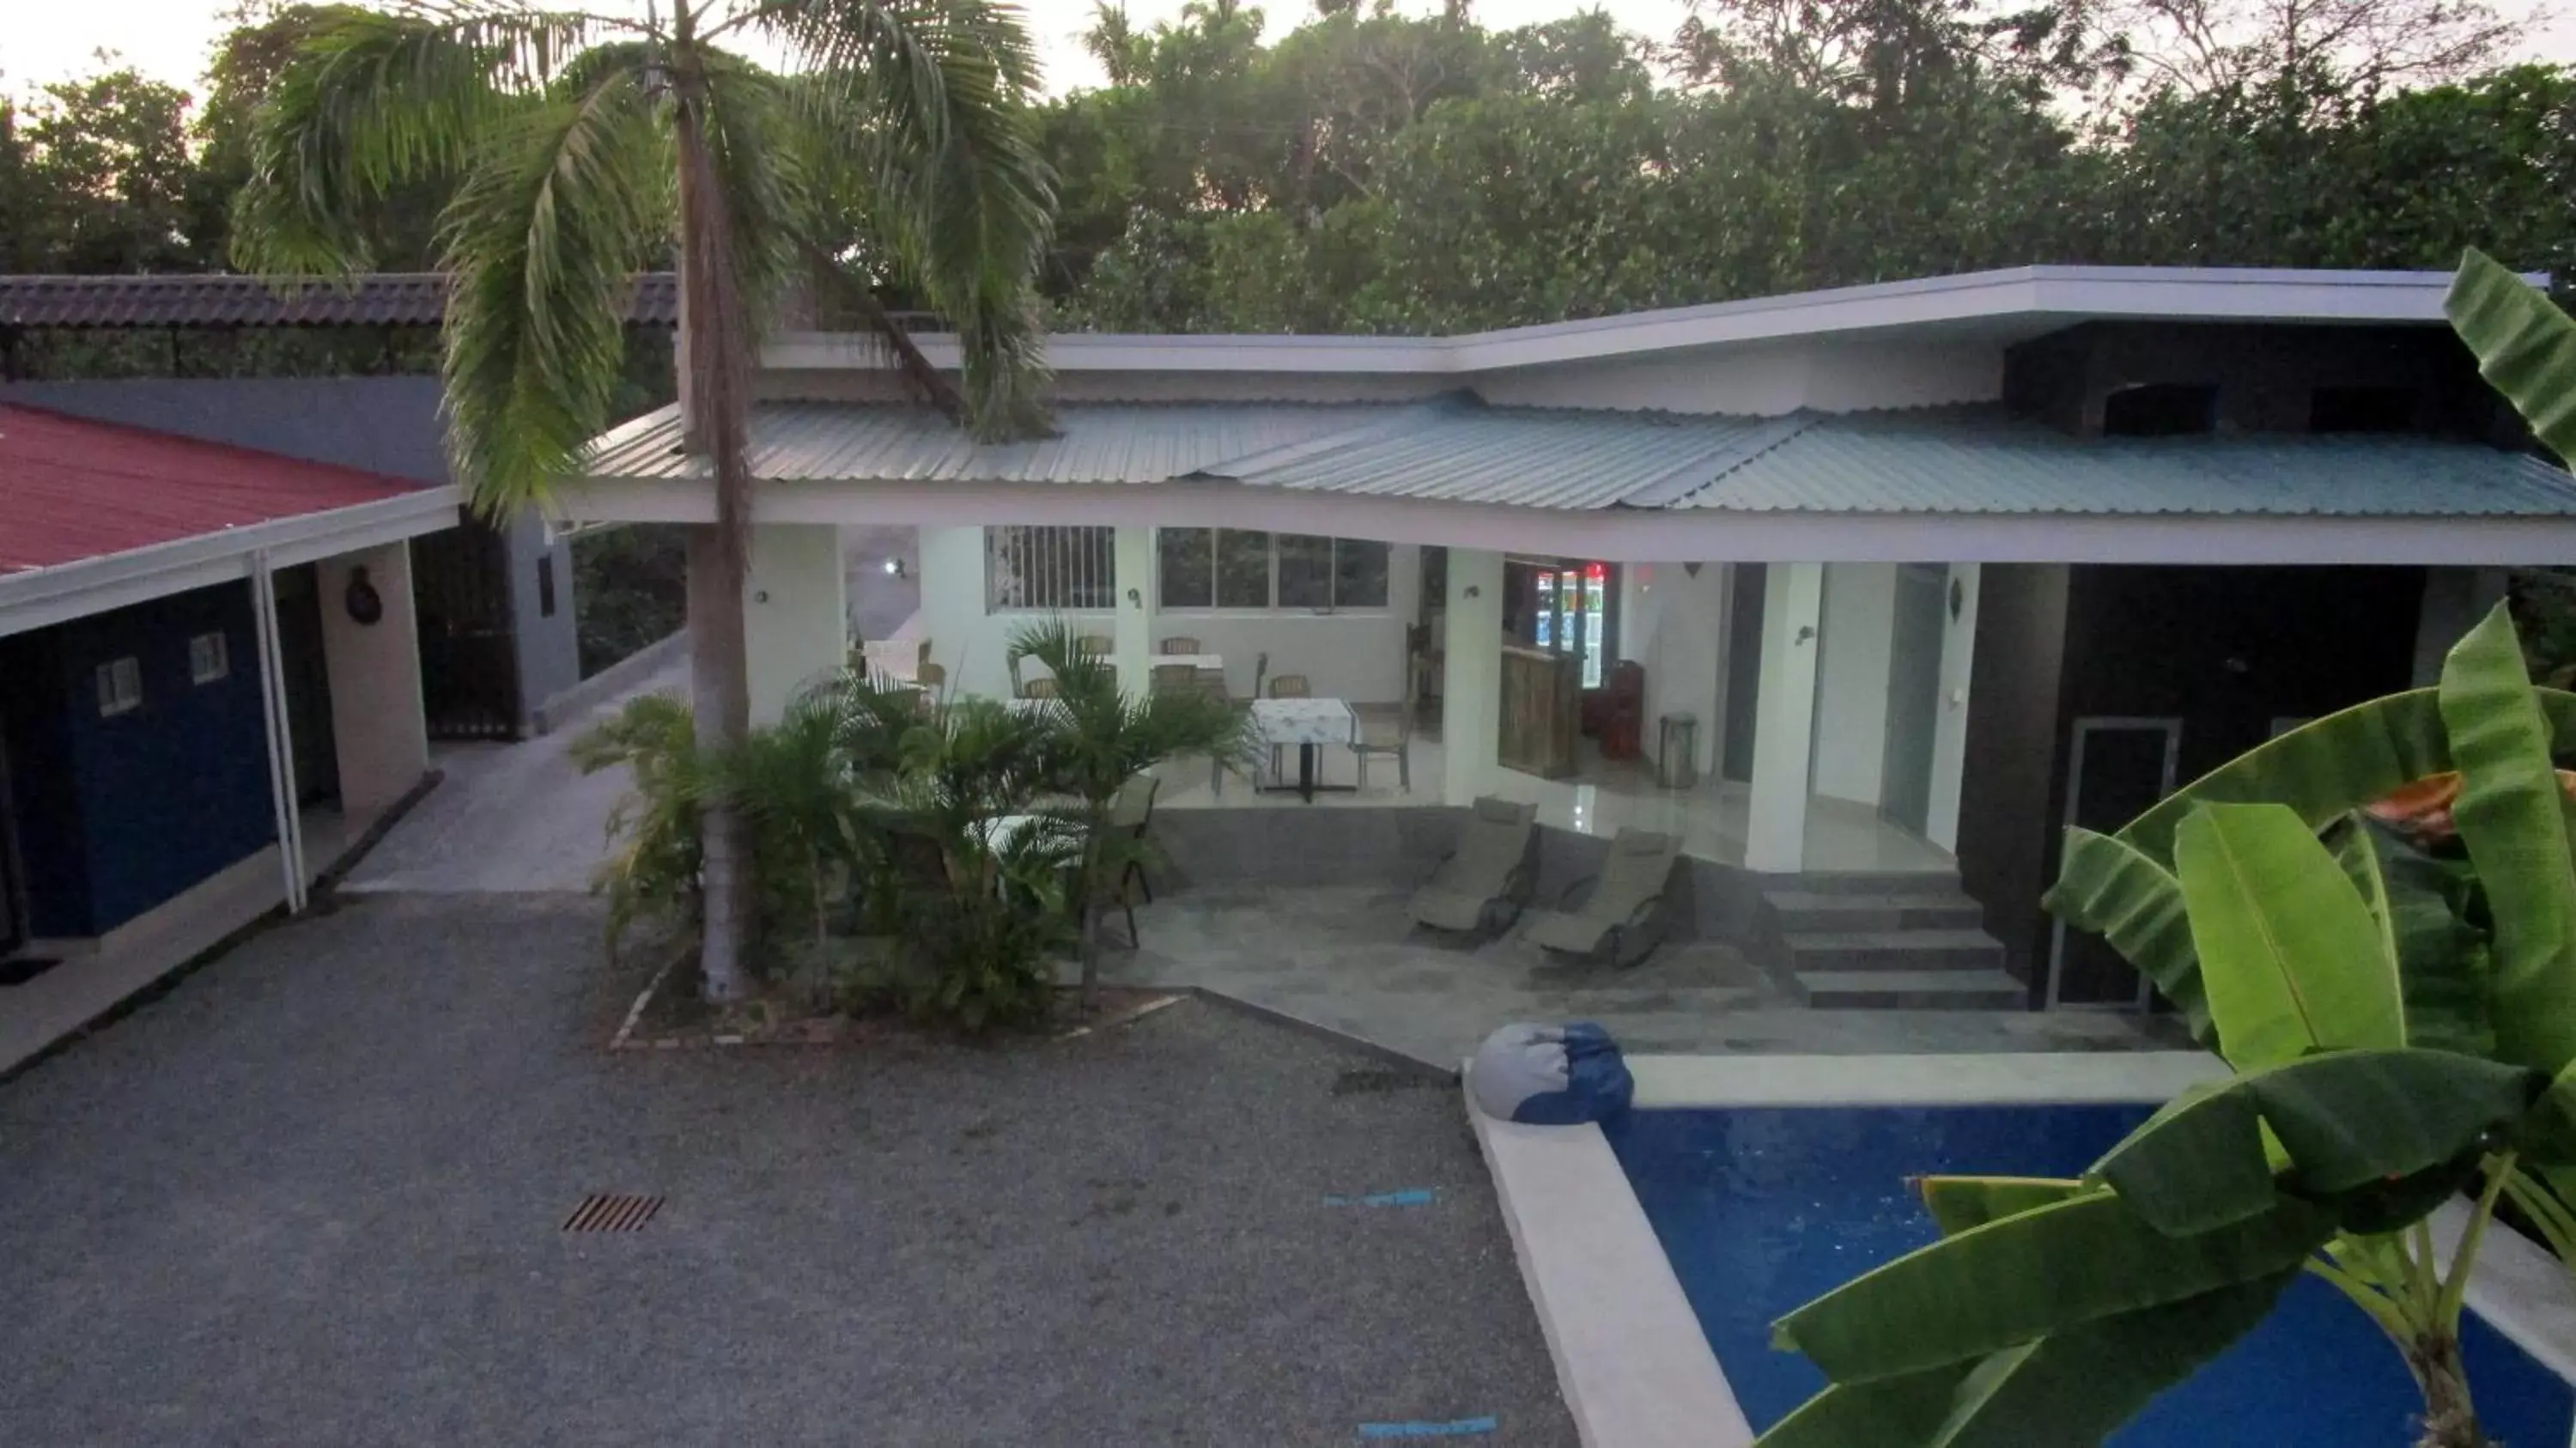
(73, 489)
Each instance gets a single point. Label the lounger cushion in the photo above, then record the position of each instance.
(1574, 934)
(1444, 909)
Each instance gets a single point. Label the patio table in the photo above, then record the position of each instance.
(1310, 724)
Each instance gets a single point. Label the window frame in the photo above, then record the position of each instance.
(120, 686)
(1107, 582)
(215, 664)
(1332, 579)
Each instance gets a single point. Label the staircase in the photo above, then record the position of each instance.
(1889, 942)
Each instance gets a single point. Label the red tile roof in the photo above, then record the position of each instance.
(73, 489)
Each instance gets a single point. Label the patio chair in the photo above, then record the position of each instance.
(1180, 646)
(1286, 686)
(1038, 689)
(1623, 918)
(1097, 646)
(1481, 886)
(1175, 677)
(1382, 733)
(1133, 813)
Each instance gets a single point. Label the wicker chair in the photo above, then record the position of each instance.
(1382, 734)
(1181, 646)
(1173, 677)
(1291, 686)
(1038, 689)
(1133, 813)
(1098, 646)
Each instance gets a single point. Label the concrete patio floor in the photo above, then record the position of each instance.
(313, 1196)
(1350, 960)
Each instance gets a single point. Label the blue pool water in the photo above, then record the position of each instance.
(1761, 1210)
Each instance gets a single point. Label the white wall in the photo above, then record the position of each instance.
(1828, 376)
(1675, 625)
(1357, 655)
(1851, 680)
(378, 728)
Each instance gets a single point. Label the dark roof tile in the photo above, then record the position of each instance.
(381, 299)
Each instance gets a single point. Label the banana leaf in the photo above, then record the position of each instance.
(2351, 1123)
(2290, 958)
(2067, 1390)
(1961, 1204)
(2131, 899)
(2082, 1259)
(2332, 765)
(2526, 347)
(2423, 904)
(2512, 818)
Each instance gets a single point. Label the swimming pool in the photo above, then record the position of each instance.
(1760, 1209)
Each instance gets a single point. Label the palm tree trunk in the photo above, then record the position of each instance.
(1091, 911)
(714, 365)
(2449, 1420)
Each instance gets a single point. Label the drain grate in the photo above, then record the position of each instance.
(1368, 1082)
(600, 1212)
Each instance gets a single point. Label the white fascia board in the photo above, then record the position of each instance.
(1619, 535)
(2062, 295)
(42, 597)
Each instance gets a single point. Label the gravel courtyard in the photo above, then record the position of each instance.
(314, 1196)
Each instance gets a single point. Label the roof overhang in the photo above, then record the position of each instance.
(1621, 535)
(39, 597)
(2005, 305)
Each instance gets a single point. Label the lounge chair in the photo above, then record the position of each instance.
(1481, 886)
(1623, 918)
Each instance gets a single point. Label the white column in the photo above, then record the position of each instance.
(379, 731)
(1676, 626)
(281, 738)
(1859, 632)
(1133, 637)
(795, 613)
(1950, 726)
(1471, 698)
(1784, 717)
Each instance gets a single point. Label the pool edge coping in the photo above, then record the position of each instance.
(1570, 1209)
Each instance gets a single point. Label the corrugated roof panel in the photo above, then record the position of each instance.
(1979, 461)
(415, 299)
(1115, 443)
(1532, 458)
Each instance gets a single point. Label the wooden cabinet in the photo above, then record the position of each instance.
(1541, 711)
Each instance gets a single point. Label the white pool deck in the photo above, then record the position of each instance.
(1631, 1361)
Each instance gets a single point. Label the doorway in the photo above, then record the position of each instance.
(308, 687)
(13, 913)
(2116, 769)
(1913, 696)
(1743, 672)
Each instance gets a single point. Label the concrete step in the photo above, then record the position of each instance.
(1864, 882)
(1808, 910)
(1912, 990)
(1893, 950)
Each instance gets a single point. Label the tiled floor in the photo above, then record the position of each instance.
(1348, 959)
(1602, 800)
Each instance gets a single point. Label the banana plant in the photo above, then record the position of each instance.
(2398, 1011)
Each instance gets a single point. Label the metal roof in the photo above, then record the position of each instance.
(376, 299)
(1118, 443)
(1981, 460)
(385, 425)
(74, 489)
(1970, 460)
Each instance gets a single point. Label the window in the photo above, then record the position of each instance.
(120, 686)
(209, 658)
(1048, 568)
(2361, 409)
(1229, 568)
(2160, 409)
(546, 586)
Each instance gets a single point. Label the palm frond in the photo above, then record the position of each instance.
(374, 100)
(761, 173)
(927, 101)
(564, 202)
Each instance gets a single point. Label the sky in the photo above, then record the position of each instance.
(169, 39)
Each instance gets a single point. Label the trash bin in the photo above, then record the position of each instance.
(1677, 751)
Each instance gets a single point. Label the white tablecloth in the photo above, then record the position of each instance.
(1304, 721)
(1195, 661)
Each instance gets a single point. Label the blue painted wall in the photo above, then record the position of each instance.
(118, 814)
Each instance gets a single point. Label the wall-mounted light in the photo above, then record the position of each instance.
(1958, 599)
(365, 605)
(894, 568)
(1805, 633)
(1474, 592)
(1135, 598)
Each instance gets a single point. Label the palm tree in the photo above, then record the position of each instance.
(585, 148)
(1100, 737)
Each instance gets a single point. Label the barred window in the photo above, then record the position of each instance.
(1049, 568)
(1228, 568)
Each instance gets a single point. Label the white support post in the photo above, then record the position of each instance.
(1784, 717)
(1132, 638)
(796, 613)
(1471, 687)
(281, 738)
(379, 729)
(1950, 725)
